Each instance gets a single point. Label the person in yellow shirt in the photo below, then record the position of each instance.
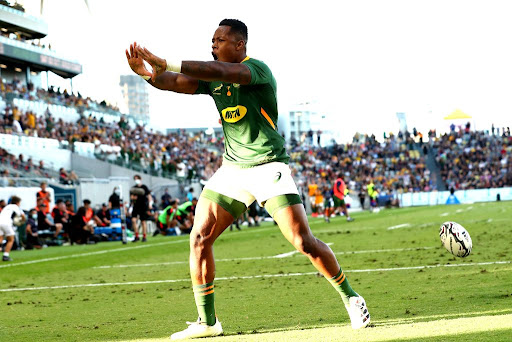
(312, 188)
(31, 120)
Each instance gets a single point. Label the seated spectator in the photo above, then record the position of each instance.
(90, 216)
(64, 177)
(44, 223)
(60, 215)
(70, 209)
(81, 231)
(33, 240)
(104, 216)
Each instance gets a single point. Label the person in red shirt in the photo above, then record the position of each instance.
(339, 197)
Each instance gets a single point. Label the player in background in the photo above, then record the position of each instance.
(166, 221)
(339, 190)
(9, 212)
(328, 203)
(255, 166)
(312, 187)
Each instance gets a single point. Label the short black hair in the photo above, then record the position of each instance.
(86, 201)
(60, 200)
(236, 26)
(15, 200)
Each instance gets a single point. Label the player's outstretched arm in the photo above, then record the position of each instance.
(206, 71)
(166, 81)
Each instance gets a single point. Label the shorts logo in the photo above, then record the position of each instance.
(277, 177)
(234, 114)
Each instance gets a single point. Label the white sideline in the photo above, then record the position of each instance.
(90, 253)
(254, 276)
(279, 256)
(404, 225)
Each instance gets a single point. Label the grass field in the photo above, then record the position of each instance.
(415, 289)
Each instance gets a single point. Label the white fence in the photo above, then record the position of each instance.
(464, 196)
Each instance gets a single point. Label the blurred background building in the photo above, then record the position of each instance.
(135, 95)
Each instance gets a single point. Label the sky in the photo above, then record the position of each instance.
(361, 61)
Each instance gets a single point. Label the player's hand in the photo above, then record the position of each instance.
(158, 64)
(136, 62)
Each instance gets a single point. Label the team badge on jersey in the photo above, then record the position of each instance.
(234, 114)
(217, 90)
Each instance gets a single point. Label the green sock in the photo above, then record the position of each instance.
(341, 284)
(204, 295)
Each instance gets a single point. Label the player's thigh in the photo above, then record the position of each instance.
(293, 223)
(6, 230)
(211, 219)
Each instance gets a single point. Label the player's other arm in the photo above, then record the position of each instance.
(205, 71)
(178, 83)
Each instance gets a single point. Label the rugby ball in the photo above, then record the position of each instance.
(455, 238)
(18, 220)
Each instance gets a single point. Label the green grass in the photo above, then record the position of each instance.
(281, 303)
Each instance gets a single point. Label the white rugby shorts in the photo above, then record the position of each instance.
(6, 229)
(258, 183)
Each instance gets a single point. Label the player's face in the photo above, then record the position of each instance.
(224, 45)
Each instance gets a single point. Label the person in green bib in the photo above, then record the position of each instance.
(166, 221)
(185, 216)
(255, 165)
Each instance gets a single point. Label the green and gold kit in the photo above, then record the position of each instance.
(249, 117)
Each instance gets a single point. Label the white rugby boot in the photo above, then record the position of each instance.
(358, 312)
(198, 329)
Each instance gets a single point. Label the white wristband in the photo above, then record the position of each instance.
(174, 66)
(145, 77)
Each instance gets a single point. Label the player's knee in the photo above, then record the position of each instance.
(305, 244)
(198, 240)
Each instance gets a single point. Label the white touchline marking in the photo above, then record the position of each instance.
(253, 276)
(469, 208)
(489, 220)
(459, 211)
(385, 250)
(444, 214)
(285, 255)
(90, 253)
(404, 225)
(279, 256)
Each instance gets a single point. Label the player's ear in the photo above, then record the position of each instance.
(240, 45)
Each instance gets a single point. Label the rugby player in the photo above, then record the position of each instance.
(255, 165)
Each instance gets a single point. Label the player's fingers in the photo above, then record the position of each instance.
(141, 52)
(127, 54)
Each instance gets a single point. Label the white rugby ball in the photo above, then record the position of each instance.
(18, 220)
(455, 239)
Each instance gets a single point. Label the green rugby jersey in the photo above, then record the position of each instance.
(249, 117)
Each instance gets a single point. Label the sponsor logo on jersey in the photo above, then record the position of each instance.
(217, 90)
(236, 85)
(234, 114)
